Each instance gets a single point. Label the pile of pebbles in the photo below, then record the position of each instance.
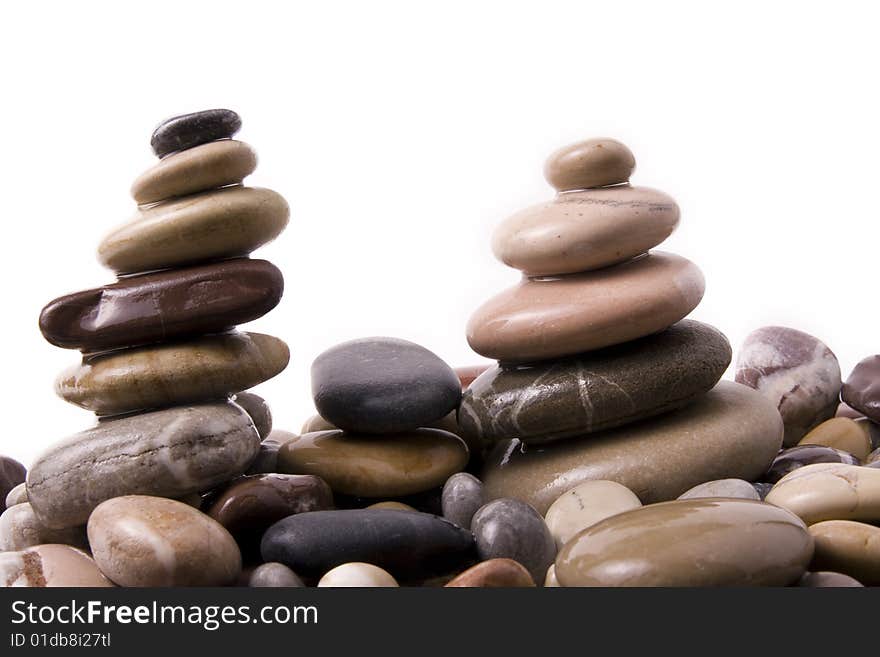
(601, 449)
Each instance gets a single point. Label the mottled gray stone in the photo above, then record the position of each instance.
(462, 496)
(274, 575)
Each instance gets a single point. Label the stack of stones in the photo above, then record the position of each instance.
(162, 367)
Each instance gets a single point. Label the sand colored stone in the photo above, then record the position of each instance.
(840, 433)
(50, 566)
(851, 548)
(585, 505)
(590, 163)
(357, 574)
(830, 491)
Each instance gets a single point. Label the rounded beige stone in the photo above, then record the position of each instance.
(738, 488)
(376, 466)
(840, 433)
(829, 491)
(550, 581)
(851, 548)
(17, 495)
(585, 505)
(50, 566)
(138, 540)
(208, 367)
(591, 163)
(706, 542)
(394, 506)
(211, 165)
(732, 431)
(582, 231)
(222, 223)
(543, 318)
(20, 529)
(357, 574)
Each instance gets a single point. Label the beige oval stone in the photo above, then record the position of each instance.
(222, 223)
(494, 573)
(840, 433)
(545, 318)
(215, 164)
(585, 505)
(589, 163)
(851, 548)
(376, 466)
(705, 542)
(732, 431)
(138, 540)
(738, 488)
(394, 506)
(50, 566)
(204, 368)
(20, 529)
(582, 231)
(17, 495)
(357, 574)
(829, 491)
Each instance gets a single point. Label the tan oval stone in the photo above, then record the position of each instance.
(550, 581)
(211, 165)
(204, 368)
(20, 529)
(585, 505)
(391, 504)
(494, 573)
(565, 315)
(50, 566)
(851, 548)
(222, 223)
(590, 163)
(840, 433)
(738, 488)
(17, 495)
(829, 491)
(376, 466)
(138, 540)
(732, 431)
(582, 231)
(357, 574)
(703, 542)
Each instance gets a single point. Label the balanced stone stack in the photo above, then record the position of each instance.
(601, 377)
(161, 357)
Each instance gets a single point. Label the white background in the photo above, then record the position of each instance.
(401, 133)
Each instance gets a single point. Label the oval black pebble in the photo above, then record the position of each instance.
(188, 130)
(383, 385)
(408, 544)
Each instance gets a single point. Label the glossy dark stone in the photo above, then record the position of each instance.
(462, 496)
(253, 503)
(383, 385)
(169, 304)
(408, 544)
(793, 458)
(258, 409)
(12, 473)
(862, 389)
(266, 461)
(187, 130)
(513, 529)
(559, 399)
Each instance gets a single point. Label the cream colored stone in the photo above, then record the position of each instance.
(550, 580)
(829, 491)
(396, 506)
(50, 566)
(20, 529)
(590, 163)
(840, 433)
(851, 548)
(357, 574)
(738, 488)
(17, 495)
(585, 505)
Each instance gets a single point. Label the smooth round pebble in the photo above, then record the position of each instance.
(391, 504)
(17, 495)
(12, 473)
(494, 573)
(830, 491)
(707, 542)
(851, 548)
(862, 389)
(591, 163)
(796, 372)
(827, 579)
(789, 460)
(550, 581)
(513, 529)
(185, 131)
(20, 528)
(274, 575)
(737, 488)
(138, 540)
(258, 409)
(461, 498)
(383, 385)
(357, 574)
(585, 505)
(50, 566)
(840, 433)
(551, 317)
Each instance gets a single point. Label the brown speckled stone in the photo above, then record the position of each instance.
(591, 163)
(50, 566)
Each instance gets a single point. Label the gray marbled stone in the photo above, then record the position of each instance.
(274, 575)
(796, 457)
(462, 497)
(258, 409)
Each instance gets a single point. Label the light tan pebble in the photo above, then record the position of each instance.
(50, 566)
(827, 579)
(357, 574)
(317, 423)
(398, 506)
(20, 529)
(222, 223)
(585, 505)
(215, 164)
(840, 433)
(494, 573)
(17, 495)
(138, 540)
(829, 491)
(851, 548)
(590, 163)
(550, 581)
(738, 488)
(274, 575)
